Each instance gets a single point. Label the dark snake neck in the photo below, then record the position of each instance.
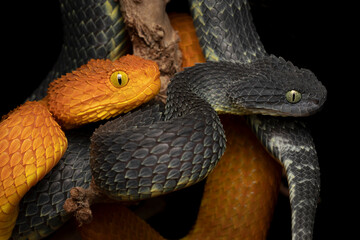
(94, 30)
(238, 44)
(226, 33)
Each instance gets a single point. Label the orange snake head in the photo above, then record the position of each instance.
(102, 89)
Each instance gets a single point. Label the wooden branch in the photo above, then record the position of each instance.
(152, 36)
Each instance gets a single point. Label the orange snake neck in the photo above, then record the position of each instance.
(32, 141)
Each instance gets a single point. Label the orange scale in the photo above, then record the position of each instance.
(48, 121)
(8, 182)
(31, 179)
(34, 134)
(37, 142)
(14, 146)
(14, 132)
(40, 172)
(17, 114)
(2, 196)
(15, 159)
(18, 170)
(40, 159)
(69, 91)
(19, 180)
(4, 159)
(10, 191)
(4, 144)
(84, 98)
(65, 99)
(49, 152)
(142, 97)
(102, 115)
(28, 120)
(30, 170)
(148, 91)
(14, 198)
(154, 86)
(47, 141)
(49, 164)
(39, 121)
(5, 172)
(28, 157)
(3, 132)
(44, 130)
(22, 188)
(26, 132)
(13, 120)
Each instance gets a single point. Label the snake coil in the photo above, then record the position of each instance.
(151, 152)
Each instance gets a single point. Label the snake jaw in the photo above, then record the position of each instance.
(87, 95)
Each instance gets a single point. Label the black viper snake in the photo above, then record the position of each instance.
(173, 169)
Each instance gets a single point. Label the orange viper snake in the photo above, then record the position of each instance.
(31, 139)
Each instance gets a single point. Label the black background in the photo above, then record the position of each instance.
(312, 34)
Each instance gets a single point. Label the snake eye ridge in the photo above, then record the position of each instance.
(119, 79)
(293, 96)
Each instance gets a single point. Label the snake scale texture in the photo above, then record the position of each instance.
(151, 152)
(226, 33)
(92, 29)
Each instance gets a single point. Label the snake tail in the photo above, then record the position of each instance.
(303, 173)
(92, 29)
(31, 144)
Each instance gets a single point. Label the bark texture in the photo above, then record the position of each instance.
(152, 36)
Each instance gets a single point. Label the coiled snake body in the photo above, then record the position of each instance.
(181, 146)
(32, 142)
(226, 33)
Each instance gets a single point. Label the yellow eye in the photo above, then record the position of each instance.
(119, 79)
(293, 96)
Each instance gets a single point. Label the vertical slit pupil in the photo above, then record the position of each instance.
(119, 78)
(293, 97)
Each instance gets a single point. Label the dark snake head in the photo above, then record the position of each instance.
(273, 86)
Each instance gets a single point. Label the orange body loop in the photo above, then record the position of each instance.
(31, 144)
(31, 139)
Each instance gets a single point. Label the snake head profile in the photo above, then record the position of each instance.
(102, 89)
(273, 86)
